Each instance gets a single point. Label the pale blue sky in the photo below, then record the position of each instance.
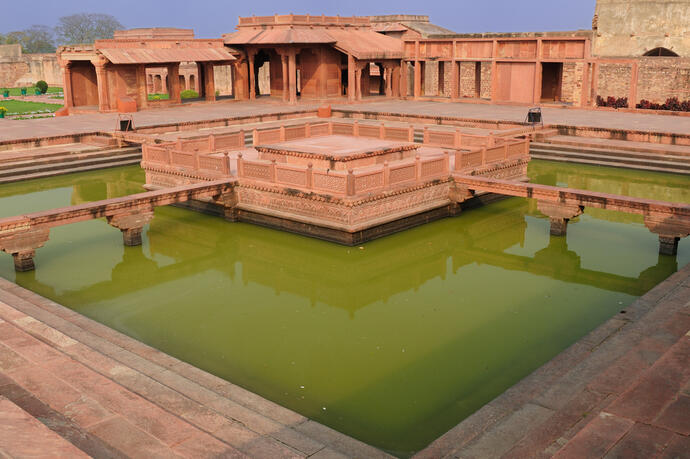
(211, 18)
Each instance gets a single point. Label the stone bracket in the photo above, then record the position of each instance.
(131, 225)
(22, 246)
(559, 214)
(670, 229)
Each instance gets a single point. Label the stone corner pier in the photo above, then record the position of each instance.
(670, 221)
(20, 236)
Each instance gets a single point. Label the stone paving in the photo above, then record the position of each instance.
(108, 395)
(621, 391)
(573, 117)
(19, 129)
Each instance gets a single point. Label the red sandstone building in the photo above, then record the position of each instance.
(293, 57)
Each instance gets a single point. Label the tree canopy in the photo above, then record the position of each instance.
(85, 28)
(35, 39)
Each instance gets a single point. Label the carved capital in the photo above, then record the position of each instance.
(558, 210)
(670, 226)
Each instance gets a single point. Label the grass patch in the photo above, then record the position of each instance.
(159, 96)
(21, 107)
(30, 91)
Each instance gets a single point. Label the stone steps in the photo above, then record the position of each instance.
(235, 416)
(70, 165)
(59, 159)
(10, 156)
(611, 157)
(22, 435)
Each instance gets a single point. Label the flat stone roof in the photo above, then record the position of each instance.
(337, 147)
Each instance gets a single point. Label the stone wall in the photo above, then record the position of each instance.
(18, 69)
(661, 78)
(571, 83)
(614, 80)
(630, 28)
(658, 79)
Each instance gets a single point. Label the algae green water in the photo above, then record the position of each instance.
(393, 342)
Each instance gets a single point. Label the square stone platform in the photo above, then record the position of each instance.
(337, 152)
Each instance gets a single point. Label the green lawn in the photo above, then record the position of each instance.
(30, 91)
(25, 107)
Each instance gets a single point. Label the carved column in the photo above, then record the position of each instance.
(209, 82)
(239, 80)
(131, 225)
(67, 82)
(670, 229)
(454, 79)
(174, 82)
(292, 70)
(102, 84)
(252, 76)
(351, 77)
(22, 246)
(286, 88)
(559, 215)
(417, 79)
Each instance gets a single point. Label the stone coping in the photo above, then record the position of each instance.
(574, 405)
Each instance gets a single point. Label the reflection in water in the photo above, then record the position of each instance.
(393, 342)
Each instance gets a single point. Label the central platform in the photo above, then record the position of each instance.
(337, 152)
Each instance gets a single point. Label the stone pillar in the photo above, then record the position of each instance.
(142, 93)
(441, 88)
(417, 79)
(403, 79)
(559, 215)
(131, 225)
(174, 82)
(209, 82)
(22, 246)
(67, 82)
(454, 79)
(292, 71)
(389, 80)
(102, 84)
(239, 80)
(670, 228)
(286, 87)
(252, 76)
(358, 83)
(351, 78)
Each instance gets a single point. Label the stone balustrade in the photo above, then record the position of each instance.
(20, 236)
(202, 155)
(670, 221)
(351, 183)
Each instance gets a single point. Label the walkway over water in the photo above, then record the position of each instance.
(671, 221)
(23, 234)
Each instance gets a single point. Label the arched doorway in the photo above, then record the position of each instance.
(660, 52)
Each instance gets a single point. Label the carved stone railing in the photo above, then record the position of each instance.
(354, 182)
(201, 155)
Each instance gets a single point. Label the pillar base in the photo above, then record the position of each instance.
(668, 245)
(559, 226)
(24, 261)
(131, 237)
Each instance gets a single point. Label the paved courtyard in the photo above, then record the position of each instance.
(20, 129)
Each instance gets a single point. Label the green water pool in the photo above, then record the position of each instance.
(393, 342)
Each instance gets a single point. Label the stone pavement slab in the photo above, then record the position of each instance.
(22, 435)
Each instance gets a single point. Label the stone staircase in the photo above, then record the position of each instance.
(615, 153)
(17, 165)
(110, 395)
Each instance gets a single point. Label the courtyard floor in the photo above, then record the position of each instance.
(20, 129)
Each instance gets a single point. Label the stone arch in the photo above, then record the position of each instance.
(661, 52)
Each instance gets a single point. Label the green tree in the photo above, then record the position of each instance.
(85, 28)
(35, 39)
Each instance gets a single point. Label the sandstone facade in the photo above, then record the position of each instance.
(18, 69)
(632, 28)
